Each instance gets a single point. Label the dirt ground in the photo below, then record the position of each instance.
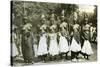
(19, 60)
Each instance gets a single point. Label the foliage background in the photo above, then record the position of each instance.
(34, 10)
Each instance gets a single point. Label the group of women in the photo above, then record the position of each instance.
(56, 40)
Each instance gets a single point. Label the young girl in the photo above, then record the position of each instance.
(42, 47)
(86, 49)
(63, 42)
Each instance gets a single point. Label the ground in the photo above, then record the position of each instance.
(19, 61)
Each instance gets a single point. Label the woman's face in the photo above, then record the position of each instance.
(55, 23)
(25, 21)
(52, 22)
(86, 20)
(75, 22)
(43, 21)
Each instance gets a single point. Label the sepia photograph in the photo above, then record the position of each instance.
(52, 33)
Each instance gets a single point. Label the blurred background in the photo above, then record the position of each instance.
(34, 10)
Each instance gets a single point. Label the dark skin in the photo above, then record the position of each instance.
(53, 30)
(84, 54)
(43, 57)
(75, 54)
(61, 29)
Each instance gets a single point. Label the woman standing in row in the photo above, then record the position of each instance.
(75, 46)
(86, 49)
(63, 40)
(53, 45)
(27, 42)
(42, 47)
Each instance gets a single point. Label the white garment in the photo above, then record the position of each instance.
(75, 46)
(91, 32)
(35, 49)
(53, 49)
(87, 48)
(14, 50)
(63, 44)
(42, 48)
